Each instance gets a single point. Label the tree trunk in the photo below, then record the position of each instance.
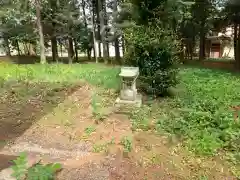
(202, 44)
(117, 51)
(238, 49)
(18, 48)
(98, 29)
(61, 49)
(54, 49)
(102, 4)
(70, 50)
(123, 45)
(28, 49)
(106, 24)
(99, 48)
(86, 25)
(235, 41)
(94, 47)
(116, 40)
(182, 54)
(40, 31)
(54, 43)
(7, 46)
(31, 49)
(25, 48)
(193, 43)
(76, 50)
(108, 53)
(94, 38)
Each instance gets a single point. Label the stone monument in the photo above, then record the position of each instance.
(128, 93)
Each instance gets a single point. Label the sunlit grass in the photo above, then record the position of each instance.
(92, 73)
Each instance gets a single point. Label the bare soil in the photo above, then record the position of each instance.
(22, 104)
(58, 134)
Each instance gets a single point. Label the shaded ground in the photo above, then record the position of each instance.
(22, 104)
(6, 161)
(92, 150)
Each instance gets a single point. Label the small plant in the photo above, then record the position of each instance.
(139, 119)
(43, 172)
(155, 159)
(112, 141)
(89, 130)
(36, 172)
(20, 166)
(96, 111)
(97, 148)
(203, 177)
(127, 144)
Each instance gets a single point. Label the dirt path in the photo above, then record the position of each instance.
(93, 151)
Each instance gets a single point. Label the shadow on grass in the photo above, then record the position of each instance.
(23, 103)
(36, 59)
(218, 67)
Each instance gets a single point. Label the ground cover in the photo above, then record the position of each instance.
(192, 135)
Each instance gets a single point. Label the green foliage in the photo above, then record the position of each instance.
(43, 172)
(126, 141)
(153, 50)
(97, 148)
(169, 12)
(204, 117)
(89, 130)
(140, 119)
(103, 147)
(37, 172)
(95, 74)
(96, 109)
(20, 166)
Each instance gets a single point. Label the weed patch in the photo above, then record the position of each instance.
(140, 118)
(126, 141)
(89, 130)
(203, 117)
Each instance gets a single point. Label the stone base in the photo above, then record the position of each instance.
(137, 102)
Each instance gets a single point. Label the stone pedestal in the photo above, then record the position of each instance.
(128, 93)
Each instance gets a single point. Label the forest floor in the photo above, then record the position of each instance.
(67, 114)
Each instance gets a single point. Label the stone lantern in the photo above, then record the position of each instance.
(128, 93)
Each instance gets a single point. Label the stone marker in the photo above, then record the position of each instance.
(128, 93)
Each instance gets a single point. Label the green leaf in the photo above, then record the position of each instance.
(55, 167)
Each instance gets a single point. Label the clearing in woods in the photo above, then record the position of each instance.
(66, 114)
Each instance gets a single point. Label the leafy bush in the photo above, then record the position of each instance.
(154, 51)
(38, 171)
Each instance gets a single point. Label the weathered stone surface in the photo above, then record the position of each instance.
(128, 93)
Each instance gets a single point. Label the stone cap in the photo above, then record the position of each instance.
(129, 71)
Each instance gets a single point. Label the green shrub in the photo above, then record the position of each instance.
(36, 172)
(154, 51)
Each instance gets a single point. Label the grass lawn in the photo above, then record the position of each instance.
(198, 118)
